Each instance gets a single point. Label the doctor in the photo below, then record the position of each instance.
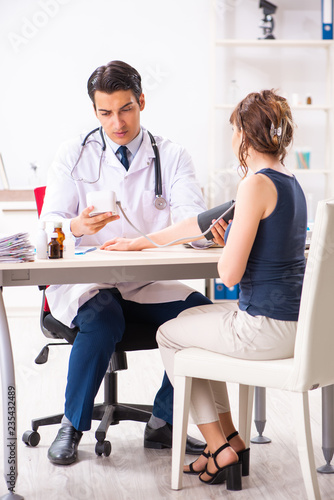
(119, 157)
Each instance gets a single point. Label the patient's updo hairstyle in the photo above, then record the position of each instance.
(116, 75)
(266, 123)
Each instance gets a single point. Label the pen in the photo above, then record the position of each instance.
(85, 251)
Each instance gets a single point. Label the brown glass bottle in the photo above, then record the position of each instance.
(54, 247)
(60, 236)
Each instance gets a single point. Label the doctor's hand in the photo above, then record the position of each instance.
(122, 244)
(218, 232)
(83, 224)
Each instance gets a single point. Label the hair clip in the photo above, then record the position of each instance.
(276, 131)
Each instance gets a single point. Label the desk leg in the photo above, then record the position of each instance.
(9, 406)
(260, 415)
(327, 395)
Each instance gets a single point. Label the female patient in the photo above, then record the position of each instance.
(264, 252)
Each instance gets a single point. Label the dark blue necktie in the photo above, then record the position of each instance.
(124, 158)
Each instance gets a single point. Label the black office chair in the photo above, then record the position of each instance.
(110, 412)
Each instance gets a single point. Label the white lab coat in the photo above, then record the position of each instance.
(65, 198)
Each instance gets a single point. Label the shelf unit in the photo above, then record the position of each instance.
(235, 42)
(316, 118)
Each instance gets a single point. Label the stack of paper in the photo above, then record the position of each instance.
(16, 248)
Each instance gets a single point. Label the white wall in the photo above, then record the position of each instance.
(50, 47)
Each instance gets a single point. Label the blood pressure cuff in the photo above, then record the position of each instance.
(204, 220)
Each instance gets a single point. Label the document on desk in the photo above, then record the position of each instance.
(16, 248)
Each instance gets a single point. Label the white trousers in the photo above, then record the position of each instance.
(225, 329)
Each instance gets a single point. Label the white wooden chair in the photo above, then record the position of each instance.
(311, 367)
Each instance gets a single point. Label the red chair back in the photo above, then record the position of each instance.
(39, 193)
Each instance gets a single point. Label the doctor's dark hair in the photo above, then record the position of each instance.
(116, 75)
(265, 120)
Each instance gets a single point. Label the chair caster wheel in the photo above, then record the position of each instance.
(103, 448)
(31, 438)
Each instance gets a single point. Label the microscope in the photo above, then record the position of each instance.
(268, 21)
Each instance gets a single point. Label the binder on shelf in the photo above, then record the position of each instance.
(327, 19)
(222, 292)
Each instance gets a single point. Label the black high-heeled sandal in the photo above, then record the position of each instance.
(244, 455)
(191, 469)
(230, 473)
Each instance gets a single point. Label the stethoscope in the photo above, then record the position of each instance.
(159, 202)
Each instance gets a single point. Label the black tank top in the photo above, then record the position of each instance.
(272, 283)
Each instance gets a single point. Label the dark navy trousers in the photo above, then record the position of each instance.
(101, 321)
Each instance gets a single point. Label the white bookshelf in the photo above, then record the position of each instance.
(233, 42)
(316, 118)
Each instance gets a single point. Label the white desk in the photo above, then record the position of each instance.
(98, 266)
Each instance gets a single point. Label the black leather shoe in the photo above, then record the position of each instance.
(63, 450)
(162, 438)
